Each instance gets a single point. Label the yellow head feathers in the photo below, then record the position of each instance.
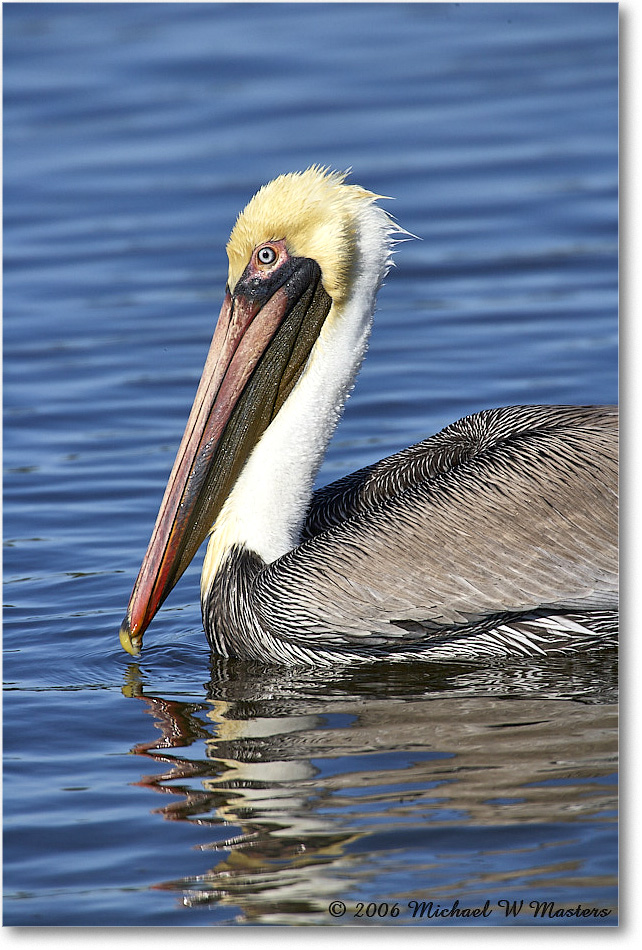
(317, 215)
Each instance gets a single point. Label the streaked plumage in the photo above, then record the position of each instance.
(496, 537)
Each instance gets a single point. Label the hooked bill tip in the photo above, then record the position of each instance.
(129, 644)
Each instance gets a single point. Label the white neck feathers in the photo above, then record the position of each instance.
(265, 510)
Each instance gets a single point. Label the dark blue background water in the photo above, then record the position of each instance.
(134, 133)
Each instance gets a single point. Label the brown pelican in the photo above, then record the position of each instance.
(496, 537)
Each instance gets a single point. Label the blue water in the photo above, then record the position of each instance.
(180, 789)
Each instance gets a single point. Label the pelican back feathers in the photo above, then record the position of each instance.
(494, 538)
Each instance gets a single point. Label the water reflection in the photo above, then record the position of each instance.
(392, 784)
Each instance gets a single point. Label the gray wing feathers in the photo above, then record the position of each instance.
(504, 512)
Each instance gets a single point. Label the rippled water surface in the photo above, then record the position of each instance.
(183, 790)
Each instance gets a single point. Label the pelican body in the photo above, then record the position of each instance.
(495, 538)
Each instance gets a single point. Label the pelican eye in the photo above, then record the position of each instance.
(266, 255)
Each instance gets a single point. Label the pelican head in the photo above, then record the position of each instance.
(306, 258)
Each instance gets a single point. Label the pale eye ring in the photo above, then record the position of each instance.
(266, 255)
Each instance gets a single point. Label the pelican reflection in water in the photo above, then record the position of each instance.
(497, 537)
(452, 779)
